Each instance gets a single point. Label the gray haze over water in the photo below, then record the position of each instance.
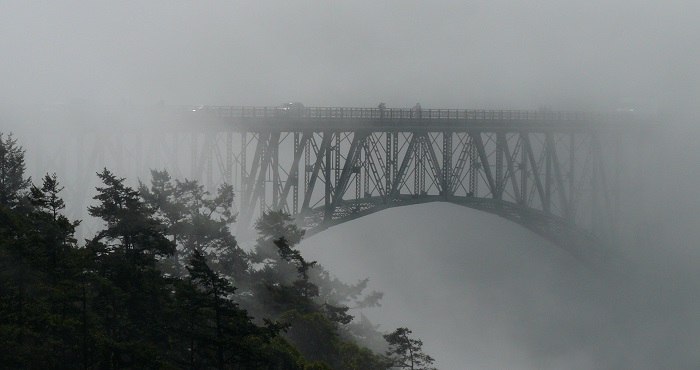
(481, 292)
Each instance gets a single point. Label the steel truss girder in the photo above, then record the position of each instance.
(564, 174)
(535, 170)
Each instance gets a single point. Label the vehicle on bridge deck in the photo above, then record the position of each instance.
(295, 109)
(199, 108)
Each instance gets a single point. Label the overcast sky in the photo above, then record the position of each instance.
(503, 54)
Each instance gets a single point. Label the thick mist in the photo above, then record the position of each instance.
(482, 54)
(479, 291)
(485, 293)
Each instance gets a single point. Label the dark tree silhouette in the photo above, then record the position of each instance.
(196, 220)
(219, 332)
(290, 286)
(132, 294)
(110, 305)
(407, 353)
(13, 185)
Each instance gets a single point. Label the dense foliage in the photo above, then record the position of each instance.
(165, 285)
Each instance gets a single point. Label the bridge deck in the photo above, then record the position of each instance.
(393, 119)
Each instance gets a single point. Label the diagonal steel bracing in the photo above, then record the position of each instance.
(548, 171)
(367, 170)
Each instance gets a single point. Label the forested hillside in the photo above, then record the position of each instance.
(164, 284)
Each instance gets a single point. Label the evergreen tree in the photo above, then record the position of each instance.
(195, 220)
(41, 267)
(407, 353)
(53, 227)
(219, 332)
(62, 264)
(131, 293)
(110, 306)
(13, 185)
(131, 231)
(272, 226)
(286, 288)
(304, 286)
(18, 334)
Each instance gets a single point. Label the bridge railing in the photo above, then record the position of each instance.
(400, 113)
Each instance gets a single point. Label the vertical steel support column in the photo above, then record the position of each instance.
(275, 164)
(357, 171)
(536, 167)
(572, 168)
(548, 143)
(254, 182)
(473, 162)
(485, 165)
(423, 165)
(388, 161)
(418, 161)
(307, 162)
(327, 177)
(394, 159)
(265, 160)
(244, 161)
(292, 182)
(595, 216)
(523, 173)
(228, 176)
(616, 170)
(295, 183)
(558, 176)
(315, 170)
(462, 165)
(432, 164)
(337, 158)
(511, 169)
(447, 164)
(351, 162)
(365, 164)
(500, 138)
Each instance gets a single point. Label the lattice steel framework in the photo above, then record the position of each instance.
(558, 174)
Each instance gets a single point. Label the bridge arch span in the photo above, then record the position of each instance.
(580, 243)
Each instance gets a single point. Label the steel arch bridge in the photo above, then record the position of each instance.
(559, 174)
(556, 173)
